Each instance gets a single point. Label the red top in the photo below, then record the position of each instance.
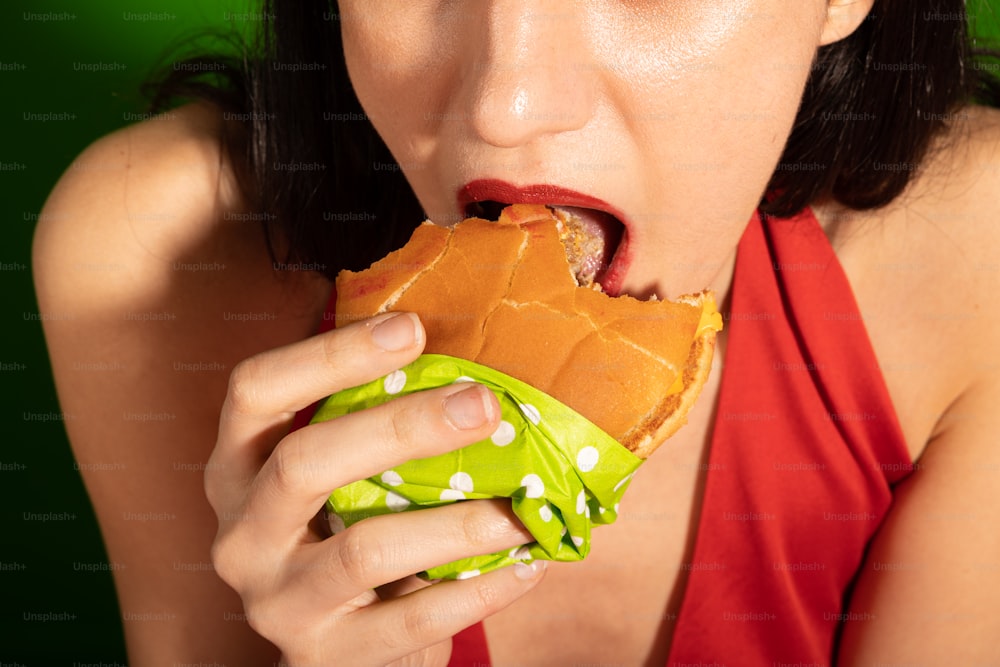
(805, 449)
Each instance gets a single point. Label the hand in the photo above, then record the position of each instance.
(351, 598)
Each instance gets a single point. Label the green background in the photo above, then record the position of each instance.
(43, 565)
(54, 559)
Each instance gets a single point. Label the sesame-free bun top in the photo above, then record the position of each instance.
(502, 294)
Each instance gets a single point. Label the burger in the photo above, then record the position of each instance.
(521, 294)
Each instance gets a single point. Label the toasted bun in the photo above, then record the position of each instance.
(502, 294)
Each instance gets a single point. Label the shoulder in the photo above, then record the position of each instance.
(961, 180)
(926, 581)
(926, 273)
(149, 220)
(152, 286)
(144, 241)
(947, 223)
(151, 206)
(136, 195)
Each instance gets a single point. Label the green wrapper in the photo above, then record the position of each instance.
(562, 473)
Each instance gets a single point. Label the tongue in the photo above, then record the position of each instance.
(591, 240)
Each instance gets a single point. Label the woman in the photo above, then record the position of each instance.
(681, 116)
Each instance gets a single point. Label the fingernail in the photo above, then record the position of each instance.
(469, 408)
(528, 571)
(396, 333)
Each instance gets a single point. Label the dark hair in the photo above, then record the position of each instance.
(874, 102)
(311, 164)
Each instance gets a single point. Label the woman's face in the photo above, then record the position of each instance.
(671, 114)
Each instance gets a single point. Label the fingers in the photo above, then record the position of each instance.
(311, 597)
(389, 548)
(266, 390)
(308, 464)
(434, 614)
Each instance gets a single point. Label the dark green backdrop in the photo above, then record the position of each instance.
(58, 605)
(47, 54)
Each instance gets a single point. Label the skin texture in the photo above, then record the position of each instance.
(629, 102)
(583, 108)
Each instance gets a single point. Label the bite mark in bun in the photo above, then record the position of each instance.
(519, 295)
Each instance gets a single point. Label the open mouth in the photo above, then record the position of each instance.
(591, 238)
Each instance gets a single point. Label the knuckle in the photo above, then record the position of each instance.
(278, 619)
(488, 597)
(265, 619)
(335, 355)
(245, 382)
(214, 486)
(401, 428)
(289, 469)
(225, 554)
(332, 349)
(475, 529)
(354, 559)
(416, 625)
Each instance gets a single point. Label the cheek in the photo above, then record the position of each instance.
(712, 90)
(397, 55)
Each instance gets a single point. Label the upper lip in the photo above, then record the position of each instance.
(553, 195)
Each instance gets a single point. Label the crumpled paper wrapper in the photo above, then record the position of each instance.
(562, 473)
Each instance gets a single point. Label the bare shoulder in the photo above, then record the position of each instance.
(929, 586)
(925, 270)
(951, 215)
(952, 212)
(961, 183)
(144, 241)
(153, 284)
(150, 216)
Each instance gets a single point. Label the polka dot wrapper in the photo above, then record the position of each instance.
(562, 473)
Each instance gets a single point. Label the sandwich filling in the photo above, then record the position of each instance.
(590, 237)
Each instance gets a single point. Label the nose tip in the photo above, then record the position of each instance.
(528, 82)
(528, 105)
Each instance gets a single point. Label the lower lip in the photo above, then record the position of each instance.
(501, 191)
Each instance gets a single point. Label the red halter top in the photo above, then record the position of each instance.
(804, 452)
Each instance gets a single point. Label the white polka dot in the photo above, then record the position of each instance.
(461, 481)
(546, 513)
(520, 553)
(504, 435)
(624, 481)
(468, 574)
(586, 511)
(336, 523)
(581, 503)
(452, 494)
(392, 478)
(531, 412)
(463, 378)
(616, 508)
(394, 382)
(577, 541)
(396, 502)
(534, 486)
(601, 510)
(586, 459)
